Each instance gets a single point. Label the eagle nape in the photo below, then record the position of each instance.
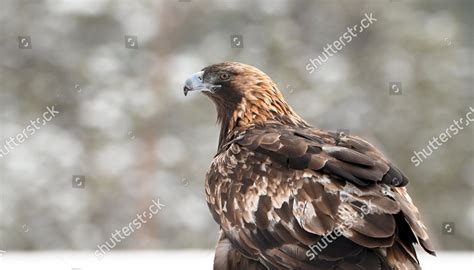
(287, 195)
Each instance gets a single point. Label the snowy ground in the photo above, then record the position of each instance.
(194, 259)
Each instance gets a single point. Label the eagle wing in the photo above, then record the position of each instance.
(278, 190)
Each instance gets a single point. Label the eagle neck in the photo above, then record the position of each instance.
(250, 113)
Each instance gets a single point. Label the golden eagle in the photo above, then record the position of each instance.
(290, 196)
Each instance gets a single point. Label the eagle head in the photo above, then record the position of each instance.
(243, 95)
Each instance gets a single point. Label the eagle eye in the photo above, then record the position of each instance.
(224, 76)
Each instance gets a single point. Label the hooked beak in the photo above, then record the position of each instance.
(196, 83)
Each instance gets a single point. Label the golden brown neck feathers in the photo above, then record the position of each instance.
(264, 104)
(259, 101)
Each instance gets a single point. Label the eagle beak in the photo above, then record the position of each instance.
(195, 83)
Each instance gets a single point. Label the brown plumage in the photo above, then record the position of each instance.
(290, 196)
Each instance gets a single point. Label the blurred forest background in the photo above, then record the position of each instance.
(125, 125)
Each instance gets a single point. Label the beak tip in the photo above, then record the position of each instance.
(194, 83)
(186, 89)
